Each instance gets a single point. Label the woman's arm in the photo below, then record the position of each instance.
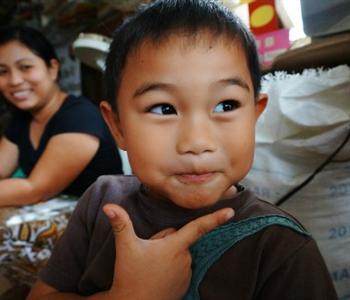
(64, 158)
(8, 157)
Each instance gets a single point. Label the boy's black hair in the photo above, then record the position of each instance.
(156, 21)
(30, 38)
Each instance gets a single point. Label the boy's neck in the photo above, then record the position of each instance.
(230, 193)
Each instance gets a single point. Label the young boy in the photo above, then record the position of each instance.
(183, 79)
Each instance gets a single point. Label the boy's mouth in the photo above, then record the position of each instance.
(193, 178)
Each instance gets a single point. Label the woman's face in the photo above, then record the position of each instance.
(25, 80)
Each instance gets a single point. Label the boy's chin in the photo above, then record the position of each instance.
(193, 198)
(194, 201)
(201, 198)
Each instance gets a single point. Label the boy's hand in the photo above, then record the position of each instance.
(159, 268)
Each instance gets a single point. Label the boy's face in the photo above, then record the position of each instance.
(186, 117)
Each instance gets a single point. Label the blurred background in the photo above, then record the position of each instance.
(280, 27)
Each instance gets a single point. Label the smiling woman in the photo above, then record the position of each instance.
(60, 141)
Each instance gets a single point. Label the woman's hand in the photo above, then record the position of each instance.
(159, 268)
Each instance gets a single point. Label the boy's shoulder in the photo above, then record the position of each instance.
(251, 206)
(117, 189)
(271, 226)
(253, 251)
(118, 185)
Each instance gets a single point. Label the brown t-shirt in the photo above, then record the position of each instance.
(275, 263)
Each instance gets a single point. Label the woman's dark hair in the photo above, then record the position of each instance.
(31, 38)
(159, 19)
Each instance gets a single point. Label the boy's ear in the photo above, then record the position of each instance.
(260, 105)
(113, 123)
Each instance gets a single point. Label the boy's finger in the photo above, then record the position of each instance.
(192, 231)
(163, 233)
(121, 224)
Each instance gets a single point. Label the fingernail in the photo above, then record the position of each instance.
(229, 214)
(110, 213)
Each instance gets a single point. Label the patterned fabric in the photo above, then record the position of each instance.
(214, 244)
(28, 235)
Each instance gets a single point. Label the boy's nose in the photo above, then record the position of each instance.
(196, 137)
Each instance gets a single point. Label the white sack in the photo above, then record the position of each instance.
(307, 117)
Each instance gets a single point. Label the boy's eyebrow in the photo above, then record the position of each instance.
(152, 86)
(235, 81)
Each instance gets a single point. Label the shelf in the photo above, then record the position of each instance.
(322, 52)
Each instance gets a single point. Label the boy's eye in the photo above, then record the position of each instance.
(2, 71)
(162, 109)
(226, 105)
